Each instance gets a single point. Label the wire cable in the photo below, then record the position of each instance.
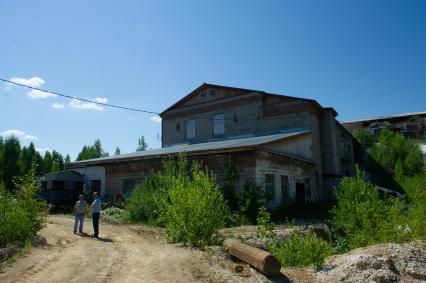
(152, 112)
(81, 99)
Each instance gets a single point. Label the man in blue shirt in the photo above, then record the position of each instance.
(96, 211)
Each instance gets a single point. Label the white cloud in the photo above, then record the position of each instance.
(29, 137)
(17, 133)
(42, 150)
(32, 82)
(155, 119)
(77, 104)
(101, 99)
(57, 105)
(36, 94)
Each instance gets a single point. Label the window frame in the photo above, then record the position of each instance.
(214, 126)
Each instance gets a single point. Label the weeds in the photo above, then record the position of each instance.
(21, 215)
(301, 250)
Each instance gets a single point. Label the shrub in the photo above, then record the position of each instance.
(186, 200)
(361, 217)
(301, 250)
(265, 228)
(21, 214)
(115, 215)
(195, 208)
(248, 202)
(144, 200)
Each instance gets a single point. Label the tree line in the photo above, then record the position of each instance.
(17, 160)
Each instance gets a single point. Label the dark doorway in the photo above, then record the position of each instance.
(300, 193)
(95, 186)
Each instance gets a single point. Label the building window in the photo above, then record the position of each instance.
(218, 124)
(285, 195)
(190, 129)
(212, 92)
(270, 186)
(178, 127)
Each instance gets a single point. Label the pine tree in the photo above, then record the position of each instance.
(9, 157)
(142, 144)
(117, 151)
(67, 161)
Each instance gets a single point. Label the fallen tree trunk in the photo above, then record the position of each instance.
(261, 260)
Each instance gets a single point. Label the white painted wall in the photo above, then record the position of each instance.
(94, 173)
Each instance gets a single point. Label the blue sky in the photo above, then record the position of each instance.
(364, 58)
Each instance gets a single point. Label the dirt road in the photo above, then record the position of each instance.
(123, 254)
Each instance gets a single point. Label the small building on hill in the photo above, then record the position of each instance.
(292, 148)
(410, 125)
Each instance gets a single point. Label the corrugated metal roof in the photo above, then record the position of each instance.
(384, 117)
(199, 147)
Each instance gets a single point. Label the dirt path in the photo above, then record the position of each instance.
(124, 254)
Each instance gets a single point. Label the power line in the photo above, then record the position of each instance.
(153, 112)
(81, 99)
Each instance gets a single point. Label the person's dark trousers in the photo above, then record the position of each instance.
(95, 217)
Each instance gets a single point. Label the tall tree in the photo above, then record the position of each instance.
(67, 161)
(142, 144)
(94, 151)
(397, 154)
(9, 157)
(47, 163)
(27, 159)
(57, 162)
(117, 151)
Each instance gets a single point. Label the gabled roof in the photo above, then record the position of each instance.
(232, 145)
(247, 91)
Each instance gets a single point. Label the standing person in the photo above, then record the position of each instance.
(96, 212)
(80, 208)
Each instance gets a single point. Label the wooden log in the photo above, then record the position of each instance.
(259, 259)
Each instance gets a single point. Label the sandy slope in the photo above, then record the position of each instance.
(124, 254)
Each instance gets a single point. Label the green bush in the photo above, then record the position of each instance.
(115, 215)
(265, 228)
(194, 209)
(248, 202)
(362, 217)
(21, 214)
(143, 204)
(184, 199)
(301, 250)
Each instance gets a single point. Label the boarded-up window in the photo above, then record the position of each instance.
(190, 129)
(218, 124)
(285, 195)
(270, 186)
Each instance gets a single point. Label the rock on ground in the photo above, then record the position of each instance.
(380, 263)
(8, 252)
(39, 241)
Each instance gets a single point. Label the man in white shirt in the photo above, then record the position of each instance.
(80, 208)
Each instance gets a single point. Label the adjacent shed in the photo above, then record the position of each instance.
(61, 188)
